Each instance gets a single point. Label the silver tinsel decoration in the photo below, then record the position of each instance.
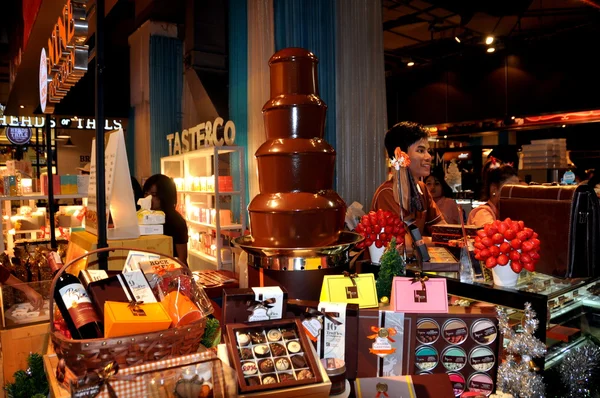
(580, 371)
(519, 378)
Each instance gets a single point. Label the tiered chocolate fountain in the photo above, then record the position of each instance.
(297, 220)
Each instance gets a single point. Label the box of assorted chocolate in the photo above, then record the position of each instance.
(341, 330)
(441, 234)
(441, 259)
(465, 346)
(271, 355)
(254, 304)
(430, 386)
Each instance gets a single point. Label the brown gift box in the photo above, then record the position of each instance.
(297, 308)
(424, 386)
(236, 304)
(372, 365)
(109, 289)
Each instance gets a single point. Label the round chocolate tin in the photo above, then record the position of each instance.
(428, 331)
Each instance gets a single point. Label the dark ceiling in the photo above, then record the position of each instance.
(426, 32)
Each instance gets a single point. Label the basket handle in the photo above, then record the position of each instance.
(102, 250)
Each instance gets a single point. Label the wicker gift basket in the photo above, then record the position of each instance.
(88, 355)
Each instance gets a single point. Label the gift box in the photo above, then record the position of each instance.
(124, 319)
(443, 233)
(151, 229)
(307, 309)
(125, 287)
(181, 309)
(150, 217)
(83, 183)
(441, 259)
(68, 184)
(421, 386)
(350, 288)
(88, 276)
(44, 184)
(382, 348)
(254, 304)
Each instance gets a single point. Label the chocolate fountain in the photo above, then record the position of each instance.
(297, 219)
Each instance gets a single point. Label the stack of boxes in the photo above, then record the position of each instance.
(545, 154)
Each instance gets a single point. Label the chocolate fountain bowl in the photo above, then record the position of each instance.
(294, 116)
(288, 165)
(296, 219)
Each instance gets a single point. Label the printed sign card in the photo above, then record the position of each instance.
(117, 179)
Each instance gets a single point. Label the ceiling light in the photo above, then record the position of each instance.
(21, 106)
(457, 39)
(410, 63)
(69, 144)
(512, 117)
(63, 137)
(491, 49)
(445, 136)
(489, 40)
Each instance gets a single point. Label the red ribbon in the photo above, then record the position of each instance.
(380, 393)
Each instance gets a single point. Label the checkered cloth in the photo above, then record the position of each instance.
(141, 386)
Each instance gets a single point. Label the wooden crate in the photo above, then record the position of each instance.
(18, 343)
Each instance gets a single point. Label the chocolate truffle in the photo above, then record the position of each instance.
(274, 335)
(261, 350)
(286, 377)
(282, 364)
(304, 374)
(253, 381)
(243, 339)
(294, 347)
(246, 353)
(249, 368)
(269, 380)
(257, 338)
(289, 334)
(266, 366)
(277, 350)
(298, 361)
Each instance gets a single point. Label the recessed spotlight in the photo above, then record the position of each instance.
(512, 117)
(410, 63)
(489, 40)
(21, 106)
(457, 39)
(491, 49)
(445, 136)
(564, 125)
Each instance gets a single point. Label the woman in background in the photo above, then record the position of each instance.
(164, 197)
(496, 175)
(442, 195)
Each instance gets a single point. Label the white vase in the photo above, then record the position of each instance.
(504, 275)
(376, 253)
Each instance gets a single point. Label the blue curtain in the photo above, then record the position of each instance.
(238, 85)
(166, 90)
(311, 24)
(130, 140)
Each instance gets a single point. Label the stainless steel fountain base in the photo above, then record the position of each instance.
(299, 259)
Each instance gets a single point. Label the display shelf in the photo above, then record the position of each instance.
(39, 196)
(223, 193)
(193, 170)
(208, 257)
(232, 227)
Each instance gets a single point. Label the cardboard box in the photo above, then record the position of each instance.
(44, 184)
(83, 183)
(121, 319)
(82, 241)
(68, 184)
(298, 309)
(422, 386)
(393, 364)
(151, 230)
(18, 343)
(240, 304)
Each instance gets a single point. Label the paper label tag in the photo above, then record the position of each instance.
(351, 292)
(312, 327)
(420, 296)
(259, 314)
(135, 257)
(332, 343)
(382, 347)
(274, 311)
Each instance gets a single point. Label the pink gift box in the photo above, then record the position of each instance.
(413, 297)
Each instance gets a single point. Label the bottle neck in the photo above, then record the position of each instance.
(54, 262)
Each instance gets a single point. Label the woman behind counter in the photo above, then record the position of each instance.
(442, 195)
(496, 175)
(164, 197)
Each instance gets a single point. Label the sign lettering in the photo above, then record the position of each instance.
(67, 55)
(216, 133)
(39, 122)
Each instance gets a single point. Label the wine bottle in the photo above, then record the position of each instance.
(74, 303)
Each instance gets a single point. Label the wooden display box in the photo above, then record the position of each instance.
(260, 330)
(18, 343)
(82, 242)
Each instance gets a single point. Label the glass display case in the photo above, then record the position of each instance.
(17, 311)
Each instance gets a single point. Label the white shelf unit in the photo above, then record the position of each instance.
(206, 162)
(7, 239)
